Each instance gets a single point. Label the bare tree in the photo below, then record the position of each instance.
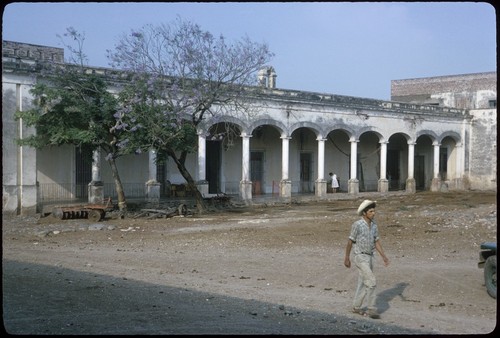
(180, 76)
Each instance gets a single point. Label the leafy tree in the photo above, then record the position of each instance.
(181, 74)
(74, 106)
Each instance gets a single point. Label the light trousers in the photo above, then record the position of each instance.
(366, 281)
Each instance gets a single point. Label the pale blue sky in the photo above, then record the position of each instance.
(343, 48)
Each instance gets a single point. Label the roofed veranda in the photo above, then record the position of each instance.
(436, 133)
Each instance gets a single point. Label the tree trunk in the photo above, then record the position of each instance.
(122, 203)
(200, 202)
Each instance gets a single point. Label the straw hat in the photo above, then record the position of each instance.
(364, 205)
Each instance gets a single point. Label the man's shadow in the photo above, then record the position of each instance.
(384, 298)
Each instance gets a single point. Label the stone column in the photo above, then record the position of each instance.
(96, 186)
(458, 180)
(202, 183)
(245, 183)
(321, 182)
(152, 185)
(285, 183)
(353, 184)
(383, 183)
(436, 180)
(410, 181)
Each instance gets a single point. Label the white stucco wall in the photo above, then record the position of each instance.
(483, 150)
(18, 163)
(56, 165)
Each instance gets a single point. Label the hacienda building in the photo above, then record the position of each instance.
(434, 134)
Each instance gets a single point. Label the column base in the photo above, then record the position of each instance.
(353, 186)
(96, 192)
(320, 190)
(383, 185)
(436, 184)
(411, 186)
(246, 191)
(286, 189)
(153, 192)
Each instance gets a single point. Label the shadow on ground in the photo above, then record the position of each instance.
(385, 297)
(39, 299)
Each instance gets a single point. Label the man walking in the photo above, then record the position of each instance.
(365, 239)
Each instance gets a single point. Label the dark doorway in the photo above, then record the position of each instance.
(213, 162)
(419, 172)
(306, 173)
(443, 162)
(393, 169)
(83, 170)
(161, 177)
(257, 172)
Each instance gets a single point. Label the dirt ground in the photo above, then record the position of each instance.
(265, 269)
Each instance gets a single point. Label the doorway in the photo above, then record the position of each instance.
(419, 172)
(83, 170)
(393, 168)
(257, 172)
(213, 162)
(306, 185)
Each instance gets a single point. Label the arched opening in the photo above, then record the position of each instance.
(397, 162)
(447, 159)
(337, 154)
(223, 147)
(265, 160)
(423, 163)
(368, 162)
(303, 160)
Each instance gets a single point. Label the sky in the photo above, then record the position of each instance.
(343, 48)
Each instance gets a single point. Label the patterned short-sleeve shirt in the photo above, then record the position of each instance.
(363, 236)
